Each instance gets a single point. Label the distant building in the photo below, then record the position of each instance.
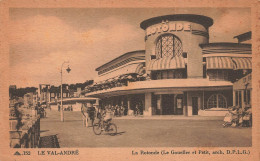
(75, 103)
(28, 99)
(12, 88)
(244, 38)
(55, 93)
(44, 93)
(242, 92)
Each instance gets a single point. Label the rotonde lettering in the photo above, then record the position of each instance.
(165, 27)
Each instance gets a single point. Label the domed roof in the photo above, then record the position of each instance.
(203, 20)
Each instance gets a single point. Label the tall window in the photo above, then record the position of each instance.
(217, 101)
(169, 74)
(168, 45)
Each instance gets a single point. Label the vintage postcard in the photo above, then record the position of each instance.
(143, 80)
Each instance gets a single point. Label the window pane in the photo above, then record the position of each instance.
(217, 101)
(236, 98)
(177, 47)
(248, 97)
(170, 74)
(212, 102)
(158, 49)
(221, 102)
(164, 74)
(168, 45)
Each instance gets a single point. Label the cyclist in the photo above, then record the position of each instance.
(91, 113)
(137, 110)
(101, 114)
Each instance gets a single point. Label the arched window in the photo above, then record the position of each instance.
(217, 101)
(168, 45)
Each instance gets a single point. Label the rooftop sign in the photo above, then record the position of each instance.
(168, 27)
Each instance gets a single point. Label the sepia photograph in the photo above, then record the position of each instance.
(130, 77)
(134, 80)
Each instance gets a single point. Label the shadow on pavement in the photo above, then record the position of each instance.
(44, 131)
(50, 141)
(119, 133)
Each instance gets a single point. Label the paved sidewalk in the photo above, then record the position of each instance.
(155, 131)
(171, 117)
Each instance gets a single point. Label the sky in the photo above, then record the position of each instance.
(40, 40)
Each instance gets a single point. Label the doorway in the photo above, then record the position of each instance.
(195, 105)
(167, 104)
(179, 105)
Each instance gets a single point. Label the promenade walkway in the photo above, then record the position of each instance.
(155, 131)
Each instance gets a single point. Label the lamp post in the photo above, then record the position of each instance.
(61, 109)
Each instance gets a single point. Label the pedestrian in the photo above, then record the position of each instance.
(58, 107)
(91, 113)
(137, 109)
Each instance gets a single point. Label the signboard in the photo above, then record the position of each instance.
(168, 27)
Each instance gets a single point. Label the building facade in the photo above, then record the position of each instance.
(178, 73)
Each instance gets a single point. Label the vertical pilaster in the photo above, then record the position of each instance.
(129, 104)
(189, 104)
(148, 104)
(242, 99)
(234, 98)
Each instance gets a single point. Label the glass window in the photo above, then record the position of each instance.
(249, 97)
(169, 74)
(218, 74)
(239, 99)
(236, 98)
(217, 101)
(178, 74)
(168, 45)
(164, 75)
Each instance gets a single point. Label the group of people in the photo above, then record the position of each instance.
(69, 108)
(117, 110)
(239, 116)
(106, 110)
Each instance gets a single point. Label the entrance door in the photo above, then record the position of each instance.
(195, 105)
(179, 105)
(167, 104)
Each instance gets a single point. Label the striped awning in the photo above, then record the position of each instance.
(242, 63)
(218, 62)
(128, 69)
(167, 63)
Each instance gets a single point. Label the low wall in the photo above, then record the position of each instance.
(213, 112)
(27, 135)
(75, 107)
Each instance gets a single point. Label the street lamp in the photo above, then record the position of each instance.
(61, 109)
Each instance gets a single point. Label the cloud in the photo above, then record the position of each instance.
(231, 22)
(110, 30)
(47, 70)
(40, 44)
(42, 31)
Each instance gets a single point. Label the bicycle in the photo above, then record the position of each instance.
(108, 126)
(88, 113)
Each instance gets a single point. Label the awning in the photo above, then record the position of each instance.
(128, 69)
(242, 63)
(167, 63)
(218, 62)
